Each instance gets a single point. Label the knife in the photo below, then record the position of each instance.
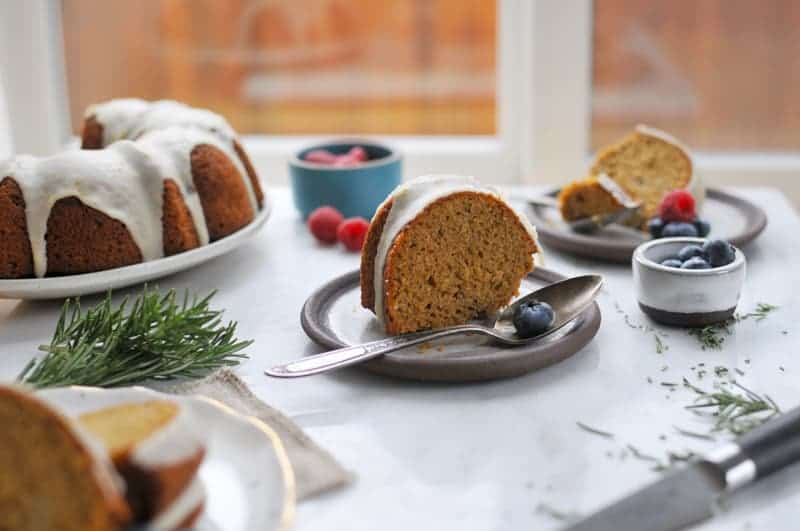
(688, 496)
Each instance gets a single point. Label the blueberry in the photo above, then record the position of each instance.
(696, 262)
(533, 318)
(703, 227)
(672, 262)
(690, 251)
(678, 228)
(655, 226)
(719, 252)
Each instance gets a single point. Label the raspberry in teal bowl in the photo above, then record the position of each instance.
(355, 190)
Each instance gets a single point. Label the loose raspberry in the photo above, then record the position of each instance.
(677, 205)
(324, 222)
(352, 233)
(320, 156)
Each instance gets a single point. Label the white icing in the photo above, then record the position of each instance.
(124, 181)
(131, 118)
(408, 200)
(178, 440)
(180, 509)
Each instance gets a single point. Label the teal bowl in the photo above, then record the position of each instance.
(354, 191)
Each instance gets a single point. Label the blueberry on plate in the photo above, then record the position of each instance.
(690, 251)
(678, 228)
(655, 226)
(696, 262)
(703, 227)
(672, 262)
(533, 318)
(719, 252)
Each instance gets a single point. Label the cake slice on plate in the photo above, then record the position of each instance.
(155, 448)
(442, 250)
(645, 165)
(53, 477)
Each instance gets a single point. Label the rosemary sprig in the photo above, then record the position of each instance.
(736, 412)
(761, 312)
(160, 338)
(713, 336)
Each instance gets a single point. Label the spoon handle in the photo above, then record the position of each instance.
(343, 357)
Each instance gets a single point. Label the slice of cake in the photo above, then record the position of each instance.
(155, 448)
(51, 476)
(646, 164)
(442, 250)
(591, 197)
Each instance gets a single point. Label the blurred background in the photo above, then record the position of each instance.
(719, 74)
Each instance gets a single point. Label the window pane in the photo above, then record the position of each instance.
(305, 66)
(719, 74)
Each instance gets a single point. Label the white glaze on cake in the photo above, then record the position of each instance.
(408, 201)
(125, 181)
(130, 118)
(181, 508)
(177, 441)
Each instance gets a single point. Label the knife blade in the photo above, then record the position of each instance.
(688, 496)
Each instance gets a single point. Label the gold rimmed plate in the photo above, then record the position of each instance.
(246, 474)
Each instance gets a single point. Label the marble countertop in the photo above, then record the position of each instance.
(505, 454)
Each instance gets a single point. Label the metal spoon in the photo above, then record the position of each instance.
(569, 298)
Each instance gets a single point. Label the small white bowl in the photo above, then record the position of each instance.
(685, 297)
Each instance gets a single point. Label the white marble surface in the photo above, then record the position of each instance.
(484, 456)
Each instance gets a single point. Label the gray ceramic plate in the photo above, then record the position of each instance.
(333, 317)
(732, 218)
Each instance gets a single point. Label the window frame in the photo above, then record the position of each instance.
(543, 105)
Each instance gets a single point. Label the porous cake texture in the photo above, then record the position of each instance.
(442, 250)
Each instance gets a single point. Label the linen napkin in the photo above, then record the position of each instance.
(315, 470)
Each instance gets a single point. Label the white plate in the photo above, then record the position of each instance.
(120, 277)
(246, 474)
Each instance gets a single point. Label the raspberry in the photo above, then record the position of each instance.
(320, 156)
(352, 233)
(358, 153)
(677, 205)
(324, 222)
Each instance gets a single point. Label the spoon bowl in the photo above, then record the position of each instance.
(568, 298)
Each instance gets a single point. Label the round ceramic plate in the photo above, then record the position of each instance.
(84, 284)
(246, 474)
(732, 218)
(333, 317)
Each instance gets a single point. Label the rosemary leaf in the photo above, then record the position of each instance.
(153, 337)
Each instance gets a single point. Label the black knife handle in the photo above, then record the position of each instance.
(775, 444)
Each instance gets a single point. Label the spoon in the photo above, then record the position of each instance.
(569, 298)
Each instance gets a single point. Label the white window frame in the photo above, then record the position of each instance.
(544, 64)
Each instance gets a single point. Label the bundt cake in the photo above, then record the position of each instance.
(131, 118)
(646, 164)
(155, 448)
(442, 250)
(52, 477)
(170, 190)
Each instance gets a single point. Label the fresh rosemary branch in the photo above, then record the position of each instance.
(160, 338)
(735, 412)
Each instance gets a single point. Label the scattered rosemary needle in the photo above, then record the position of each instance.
(160, 338)
(688, 433)
(601, 433)
(735, 412)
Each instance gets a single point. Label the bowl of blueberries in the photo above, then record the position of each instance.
(690, 282)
